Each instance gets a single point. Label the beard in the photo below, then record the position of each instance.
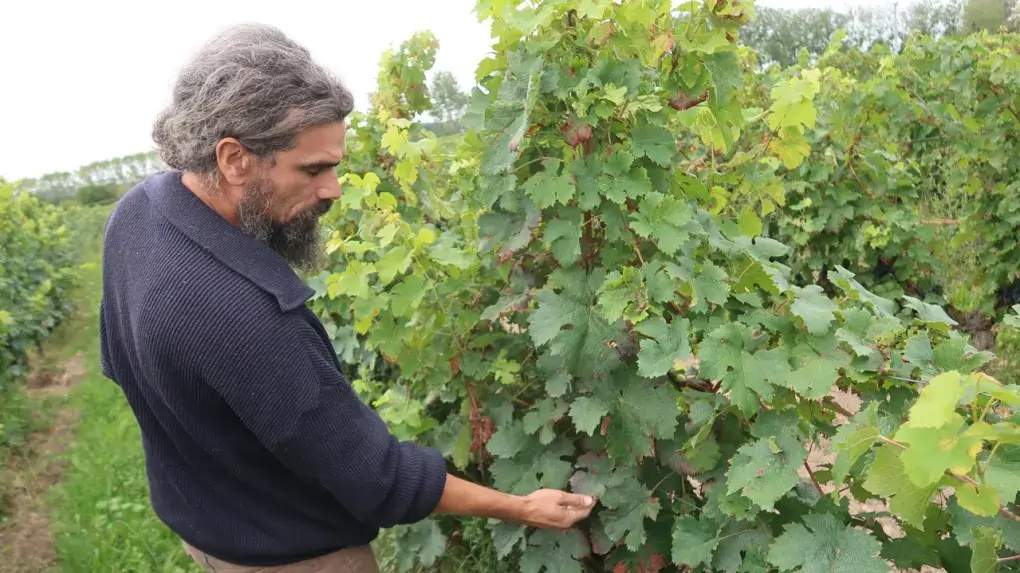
(297, 240)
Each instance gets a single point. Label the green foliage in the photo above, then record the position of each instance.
(448, 101)
(579, 296)
(35, 274)
(101, 194)
(101, 518)
(904, 175)
(987, 15)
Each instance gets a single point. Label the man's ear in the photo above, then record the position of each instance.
(235, 162)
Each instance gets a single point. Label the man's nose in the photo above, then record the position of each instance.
(331, 190)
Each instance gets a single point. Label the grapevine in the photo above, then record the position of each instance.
(582, 296)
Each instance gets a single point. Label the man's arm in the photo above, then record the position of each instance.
(546, 508)
(293, 399)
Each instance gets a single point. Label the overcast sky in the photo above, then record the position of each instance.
(83, 80)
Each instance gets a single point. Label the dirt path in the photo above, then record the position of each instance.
(26, 542)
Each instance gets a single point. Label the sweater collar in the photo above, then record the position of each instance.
(241, 252)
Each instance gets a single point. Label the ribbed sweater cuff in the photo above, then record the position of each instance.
(433, 485)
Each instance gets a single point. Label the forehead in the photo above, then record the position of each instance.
(322, 142)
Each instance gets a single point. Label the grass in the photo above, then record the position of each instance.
(101, 518)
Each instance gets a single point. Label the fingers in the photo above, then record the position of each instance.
(558, 510)
(575, 500)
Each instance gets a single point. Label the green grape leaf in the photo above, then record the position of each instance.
(667, 345)
(563, 239)
(1012, 320)
(936, 405)
(1003, 472)
(933, 451)
(824, 545)
(929, 313)
(428, 541)
(814, 379)
(394, 262)
(510, 113)
(654, 142)
(596, 475)
(919, 353)
(508, 441)
(586, 346)
(626, 501)
(814, 308)
(633, 184)
(984, 558)
(710, 286)
(737, 537)
(660, 286)
(546, 188)
(854, 333)
(756, 275)
(542, 417)
(407, 294)
(554, 552)
(445, 251)
(507, 536)
(850, 444)
(726, 73)
(792, 150)
(845, 281)
(629, 503)
(983, 501)
(910, 553)
(955, 353)
(724, 354)
(694, 541)
(887, 477)
(764, 470)
(638, 413)
(623, 295)
(510, 232)
(535, 467)
(587, 412)
(668, 222)
(965, 524)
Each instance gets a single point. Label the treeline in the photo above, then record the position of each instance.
(98, 182)
(782, 35)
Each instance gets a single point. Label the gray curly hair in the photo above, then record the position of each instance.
(252, 83)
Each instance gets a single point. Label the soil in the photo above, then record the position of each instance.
(26, 542)
(979, 327)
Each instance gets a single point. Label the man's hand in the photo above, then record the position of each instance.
(554, 509)
(545, 508)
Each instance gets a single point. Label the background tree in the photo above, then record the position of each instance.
(779, 34)
(448, 101)
(989, 15)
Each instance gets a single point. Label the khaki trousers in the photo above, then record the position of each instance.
(350, 560)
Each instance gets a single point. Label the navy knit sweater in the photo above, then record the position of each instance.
(257, 449)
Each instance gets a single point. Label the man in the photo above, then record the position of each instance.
(258, 452)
